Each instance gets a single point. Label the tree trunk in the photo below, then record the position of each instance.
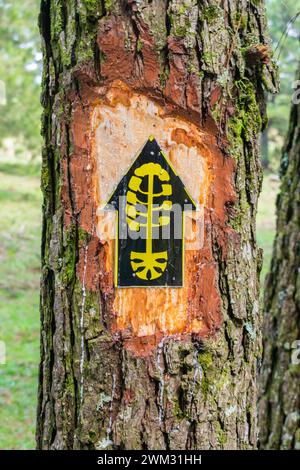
(280, 374)
(145, 368)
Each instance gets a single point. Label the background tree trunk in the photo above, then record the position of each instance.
(280, 374)
(265, 148)
(209, 61)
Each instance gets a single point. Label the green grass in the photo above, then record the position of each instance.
(20, 217)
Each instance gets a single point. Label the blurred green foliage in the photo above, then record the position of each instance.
(20, 71)
(20, 232)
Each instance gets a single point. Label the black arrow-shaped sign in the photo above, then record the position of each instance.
(150, 200)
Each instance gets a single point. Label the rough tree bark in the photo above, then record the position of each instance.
(208, 63)
(280, 373)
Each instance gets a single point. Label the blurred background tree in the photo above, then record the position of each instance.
(284, 24)
(280, 373)
(20, 72)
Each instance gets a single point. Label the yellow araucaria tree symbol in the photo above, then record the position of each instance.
(148, 265)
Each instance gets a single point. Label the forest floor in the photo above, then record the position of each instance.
(20, 229)
(20, 216)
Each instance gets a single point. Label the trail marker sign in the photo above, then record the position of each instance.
(150, 201)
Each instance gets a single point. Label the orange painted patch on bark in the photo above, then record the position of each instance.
(101, 120)
(215, 95)
(141, 346)
(119, 60)
(175, 85)
(119, 47)
(145, 313)
(128, 396)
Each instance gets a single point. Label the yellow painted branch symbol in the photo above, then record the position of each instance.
(148, 265)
